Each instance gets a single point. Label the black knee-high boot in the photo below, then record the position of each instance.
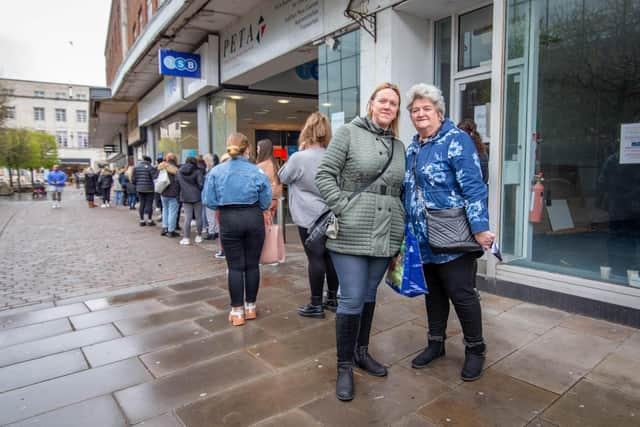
(347, 326)
(362, 357)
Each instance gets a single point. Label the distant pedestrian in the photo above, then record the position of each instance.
(117, 188)
(90, 186)
(241, 192)
(170, 196)
(267, 162)
(191, 180)
(56, 180)
(142, 178)
(211, 223)
(76, 179)
(105, 182)
(129, 188)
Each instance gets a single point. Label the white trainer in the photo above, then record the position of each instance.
(198, 239)
(185, 242)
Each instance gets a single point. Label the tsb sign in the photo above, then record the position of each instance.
(181, 64)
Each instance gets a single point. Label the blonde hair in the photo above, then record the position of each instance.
(316, 130)
(382, 86)
(170, 157)
(237, 144)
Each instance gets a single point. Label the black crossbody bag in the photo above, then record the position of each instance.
(448, 229)
(326, 226)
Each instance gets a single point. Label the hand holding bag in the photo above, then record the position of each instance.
(405, 274)
(273, 249)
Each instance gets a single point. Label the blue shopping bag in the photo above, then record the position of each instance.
(405, 274)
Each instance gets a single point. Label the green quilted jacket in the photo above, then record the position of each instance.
(371, 224)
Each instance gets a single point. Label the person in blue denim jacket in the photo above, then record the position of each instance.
(241, 192)
(445, 163)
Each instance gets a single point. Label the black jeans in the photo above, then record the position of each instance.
(454, 280)
(146, 205)
(242, 236)
(106, 194)
(320, 266)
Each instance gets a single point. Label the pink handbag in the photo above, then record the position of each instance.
(273, 249)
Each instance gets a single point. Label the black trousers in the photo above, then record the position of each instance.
(454, 280)
(106, 194)
(242, 236)
(320, 266)
(146, 205)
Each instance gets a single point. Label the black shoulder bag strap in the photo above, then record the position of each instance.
(384, 169)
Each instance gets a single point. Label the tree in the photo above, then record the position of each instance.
(18, 150)
(47, 152)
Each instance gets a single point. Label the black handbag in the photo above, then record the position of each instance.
(327, 224)
(448, 229)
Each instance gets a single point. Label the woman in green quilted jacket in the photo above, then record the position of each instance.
(370, 226)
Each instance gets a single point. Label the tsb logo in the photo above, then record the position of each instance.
(179, 63)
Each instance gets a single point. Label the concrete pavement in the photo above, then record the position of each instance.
(105, 323)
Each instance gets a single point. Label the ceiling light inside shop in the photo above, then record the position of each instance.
(283, 101)
(186, 122)
(326, 104)
(236, 97)
(261, 112)
(291, 117)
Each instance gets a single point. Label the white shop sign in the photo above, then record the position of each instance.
(271, 30)
(630, 143)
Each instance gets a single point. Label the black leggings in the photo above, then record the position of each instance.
(453, 280)
(320, 265)
(106, 194)
(146, 205)
(242, 236)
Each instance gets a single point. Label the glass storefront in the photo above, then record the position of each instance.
(339, 76)
(571, 108)
(179, 135)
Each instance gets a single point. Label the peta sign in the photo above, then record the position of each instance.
(180, 64)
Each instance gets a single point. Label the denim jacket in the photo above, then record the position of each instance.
(449, 175)
(236, 182)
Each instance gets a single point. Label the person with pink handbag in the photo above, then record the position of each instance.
(241, 193)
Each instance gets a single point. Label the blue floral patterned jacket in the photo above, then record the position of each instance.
(448, 172)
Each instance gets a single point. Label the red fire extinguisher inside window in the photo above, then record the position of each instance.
(537, 199)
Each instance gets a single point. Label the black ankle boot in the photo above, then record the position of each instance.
(347, 326)
(434, 350)
(362, 357)
(474, 357)
(164, 232)
(331, 303)
(310, 310)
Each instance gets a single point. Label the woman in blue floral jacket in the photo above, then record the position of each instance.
(443, 172)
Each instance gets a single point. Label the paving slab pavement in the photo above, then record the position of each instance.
(147, 343)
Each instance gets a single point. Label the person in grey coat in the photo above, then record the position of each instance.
(306, 205)
(370, 226)
(191, 180)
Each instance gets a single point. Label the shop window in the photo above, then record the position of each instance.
(475, 32)
(178, 135)
(571, 114)
(442, 57)
(339, 76)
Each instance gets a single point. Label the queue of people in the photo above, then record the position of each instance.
(374, 187)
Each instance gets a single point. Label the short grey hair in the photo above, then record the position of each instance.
(425, 91)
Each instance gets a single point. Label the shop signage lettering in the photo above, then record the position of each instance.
(273, 29)
(181, 64)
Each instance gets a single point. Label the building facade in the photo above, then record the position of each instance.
(550, 83)
(61, 110)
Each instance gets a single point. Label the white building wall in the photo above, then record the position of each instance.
(401, 55)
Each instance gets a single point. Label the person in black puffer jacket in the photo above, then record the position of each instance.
(104, 186)
(142, 178)
(191, 180)
(170, 196)
(90, 186)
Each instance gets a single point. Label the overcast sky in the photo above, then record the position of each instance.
(54, 40)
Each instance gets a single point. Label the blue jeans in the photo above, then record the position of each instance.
(132, 199)
(359, 277)
(169, 212)
(119, 198)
